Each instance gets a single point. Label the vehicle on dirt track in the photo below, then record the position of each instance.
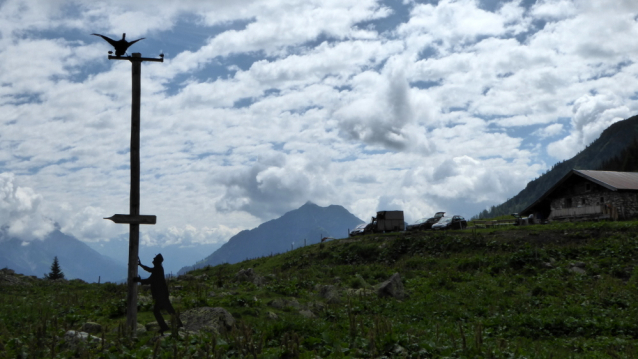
(454, 222)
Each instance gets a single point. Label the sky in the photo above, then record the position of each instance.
(261, 106)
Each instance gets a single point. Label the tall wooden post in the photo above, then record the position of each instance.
(134, 219)
(134, 228)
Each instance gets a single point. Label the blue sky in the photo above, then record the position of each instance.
(423, 106)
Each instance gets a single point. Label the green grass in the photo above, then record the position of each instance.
(485, 293)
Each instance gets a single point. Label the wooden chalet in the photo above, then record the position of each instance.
(589, 195)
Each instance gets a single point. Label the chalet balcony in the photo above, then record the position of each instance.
(596, 211)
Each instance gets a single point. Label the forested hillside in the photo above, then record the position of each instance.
(615, 150)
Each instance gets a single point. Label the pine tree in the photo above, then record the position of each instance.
(56, 272)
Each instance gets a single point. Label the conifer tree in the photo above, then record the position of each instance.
(56, 272)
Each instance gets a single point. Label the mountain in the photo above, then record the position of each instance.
(76, 259)
(175, 256)
(309, 222)
(611, 150)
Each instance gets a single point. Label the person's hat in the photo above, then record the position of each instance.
(159, 258)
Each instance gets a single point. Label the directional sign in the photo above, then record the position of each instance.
(130, 219)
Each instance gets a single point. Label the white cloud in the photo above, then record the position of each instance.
(428, 116)
(549, 131)
(591, 116)
(20, 212)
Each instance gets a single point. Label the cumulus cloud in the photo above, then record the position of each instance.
(262, 106)
(87, 224)
(20, 212)
(549, 131)
(592, 114)
(273, 185)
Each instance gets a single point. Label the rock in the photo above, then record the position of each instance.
(144, 299)
(152, 327)
(272, 315)
(362, 281)
(280, 303)
(359, 292)
(249, 275)
(306, 313)
(578, 264)
(92, 327)
(277, 303)
(578, 270)
(73, 338)
(7, 271)
(10, 280)
(317, 306)
(330, 294)
(548, 265)
(392, 287)
(211, 294)
(207, 319)
(142, 329)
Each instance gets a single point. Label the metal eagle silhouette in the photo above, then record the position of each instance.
(119, 45)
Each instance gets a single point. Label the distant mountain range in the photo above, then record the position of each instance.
(615, 150)
(175, 256)
(309, 222)
(76, 259)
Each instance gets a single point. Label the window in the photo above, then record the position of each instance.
(568, 202)
(602, 200)
(588, 187)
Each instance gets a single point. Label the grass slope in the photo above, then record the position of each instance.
(488, 293)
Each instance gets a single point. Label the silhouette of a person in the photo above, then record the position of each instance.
(159, 291)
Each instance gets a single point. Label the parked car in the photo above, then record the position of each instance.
(418, 225)
(454, 222)
(431, 221)
(358, 230)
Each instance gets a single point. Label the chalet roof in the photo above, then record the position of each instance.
(614, 181)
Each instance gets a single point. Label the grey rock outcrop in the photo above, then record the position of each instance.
(248, 275)
(329, 293)
(392, 287)
(306, 313)
(73, 338)
(578, 270)
(207, 319)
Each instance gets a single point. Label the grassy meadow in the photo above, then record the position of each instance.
(510, 292)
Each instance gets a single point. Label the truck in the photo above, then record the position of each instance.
(387, 221)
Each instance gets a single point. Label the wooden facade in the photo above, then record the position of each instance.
(589, 195)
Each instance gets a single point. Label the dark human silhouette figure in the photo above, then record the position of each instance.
(119, 45)
(159, 291)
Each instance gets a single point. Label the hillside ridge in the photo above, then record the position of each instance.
(612, 142)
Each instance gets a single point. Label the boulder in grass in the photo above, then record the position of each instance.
(92, 328)
(330, 294)
(73, 338)
(208, 319)
(249, 275)
(392, 287)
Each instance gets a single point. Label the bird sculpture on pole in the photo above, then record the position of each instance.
(119, 45)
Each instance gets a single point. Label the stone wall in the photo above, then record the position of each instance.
(583, 193)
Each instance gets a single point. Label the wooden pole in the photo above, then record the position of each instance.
(133, 218)
(134, 228)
